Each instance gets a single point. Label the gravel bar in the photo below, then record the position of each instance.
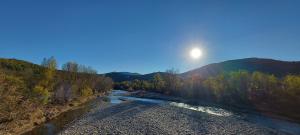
(139, 118)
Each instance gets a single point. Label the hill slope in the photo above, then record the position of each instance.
(31, 94)
(276, 67)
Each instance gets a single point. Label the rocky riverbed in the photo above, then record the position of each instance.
(138, 117)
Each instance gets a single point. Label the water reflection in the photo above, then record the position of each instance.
(55, 125)
(209, 110)
(116, 95)
(155, 101)
(119, 96)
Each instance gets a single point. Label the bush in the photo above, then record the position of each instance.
(86, 91)
(41, 94)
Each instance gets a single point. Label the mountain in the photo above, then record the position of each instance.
(127, 73)
(276, 67)
(123, 76)
(127, 76)
(14, 66)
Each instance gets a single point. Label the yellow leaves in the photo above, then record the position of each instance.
(158, 82)
(86, 91)
(41, 94)
(292, 84)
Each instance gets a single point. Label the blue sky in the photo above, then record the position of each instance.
(148, 35)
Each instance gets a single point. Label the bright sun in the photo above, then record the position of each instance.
(195, 53)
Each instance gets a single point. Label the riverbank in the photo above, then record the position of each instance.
(137, 117)
(121, 113)
(258, 110)
(40, 115)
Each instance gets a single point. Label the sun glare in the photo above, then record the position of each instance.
(195, 53)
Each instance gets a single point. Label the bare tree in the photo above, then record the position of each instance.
(172, 81)
(49, 63)
(70, 66)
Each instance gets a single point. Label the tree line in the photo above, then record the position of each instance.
(255, 90)
(70, 66)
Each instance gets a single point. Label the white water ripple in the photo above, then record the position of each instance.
(209, 110)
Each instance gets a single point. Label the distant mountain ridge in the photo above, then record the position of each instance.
(271, 66)
(275, 67)
(127, 76)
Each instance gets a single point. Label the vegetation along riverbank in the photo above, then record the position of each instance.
(262, 85)
(31, 94)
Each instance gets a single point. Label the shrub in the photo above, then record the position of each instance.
(86, 91)
(41, 94)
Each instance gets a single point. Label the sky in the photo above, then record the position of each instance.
(147, 36)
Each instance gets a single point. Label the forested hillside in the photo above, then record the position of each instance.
(30, 92)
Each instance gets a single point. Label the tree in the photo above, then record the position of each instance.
(238, 85)
(217, 85)
(172, 81)
(70, 66)
(86, 69)
(262, 85)
(123, 85)
(45, 83)
(136, 84)
(63, 92)
(145, 85)
(103, 84)
(158, 82)
(291, 84)
(49, 63)
(188, 87)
